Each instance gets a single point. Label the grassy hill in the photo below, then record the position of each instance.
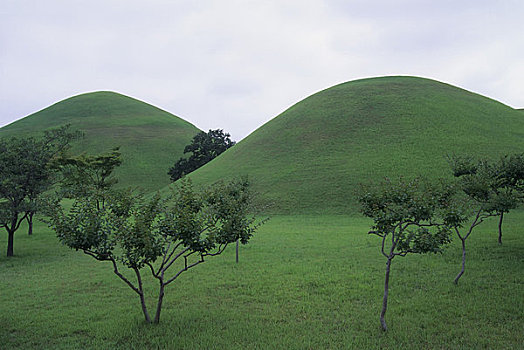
(150, 139)
(310, 158)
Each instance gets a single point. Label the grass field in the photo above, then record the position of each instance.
(303, 282)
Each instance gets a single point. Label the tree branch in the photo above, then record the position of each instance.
(123, 278)
(139, 280)
(404, 253)
(174, 259)
(220, 250)
(373, 232)
(152, 270)
(458, 232)
(167, 257)
(186, 267)
(101, 257)
(17, 226)
(383, 243)
(418, 224)
(97, 256)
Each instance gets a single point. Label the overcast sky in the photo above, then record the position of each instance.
(235, 65)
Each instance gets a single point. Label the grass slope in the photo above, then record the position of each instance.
(310, 158)
(304, 282)
(151, 139)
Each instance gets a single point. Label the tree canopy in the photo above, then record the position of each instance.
(203, 148)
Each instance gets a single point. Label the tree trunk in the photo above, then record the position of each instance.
(10, 242)
(500, 227)
(463, 261)
(30, 223)
(140, 292)
(11, 234)
(237, 252)
(385, 300)
(144, 307)
(159, 304)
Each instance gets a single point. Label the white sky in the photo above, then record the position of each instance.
(235, 65)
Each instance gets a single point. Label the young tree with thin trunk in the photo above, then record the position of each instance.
(407, 218)
(510, 169)
(88, 175)
(486, 193)
(478, 218)
(497, 186)
(166, 237)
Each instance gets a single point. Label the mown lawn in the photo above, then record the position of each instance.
(304, 282)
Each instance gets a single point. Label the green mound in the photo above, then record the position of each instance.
(310, 158)
(150, 139)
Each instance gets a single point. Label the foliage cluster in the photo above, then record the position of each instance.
(87, 176)
(204, 147)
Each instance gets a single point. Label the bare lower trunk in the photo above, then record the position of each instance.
(237, 252)
(10, 242)
(30, 223)
(159, 304)
(385, 299)
(500, 227)
(11, 235)
(463, 261)
(141, 295)
(144, 307)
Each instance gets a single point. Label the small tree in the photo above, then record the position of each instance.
(487, 193)
(175, 233)
(88, 175)
(408, 218)
(498, 187)
(25, 174)
(456, 219)
(510, 170)
(203, 148)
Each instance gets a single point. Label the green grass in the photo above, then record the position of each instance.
(310, 158)
(151, 139)
(304, 282)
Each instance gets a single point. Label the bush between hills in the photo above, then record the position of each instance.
(204, 148)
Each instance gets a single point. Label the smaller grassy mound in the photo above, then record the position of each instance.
(150, 139)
